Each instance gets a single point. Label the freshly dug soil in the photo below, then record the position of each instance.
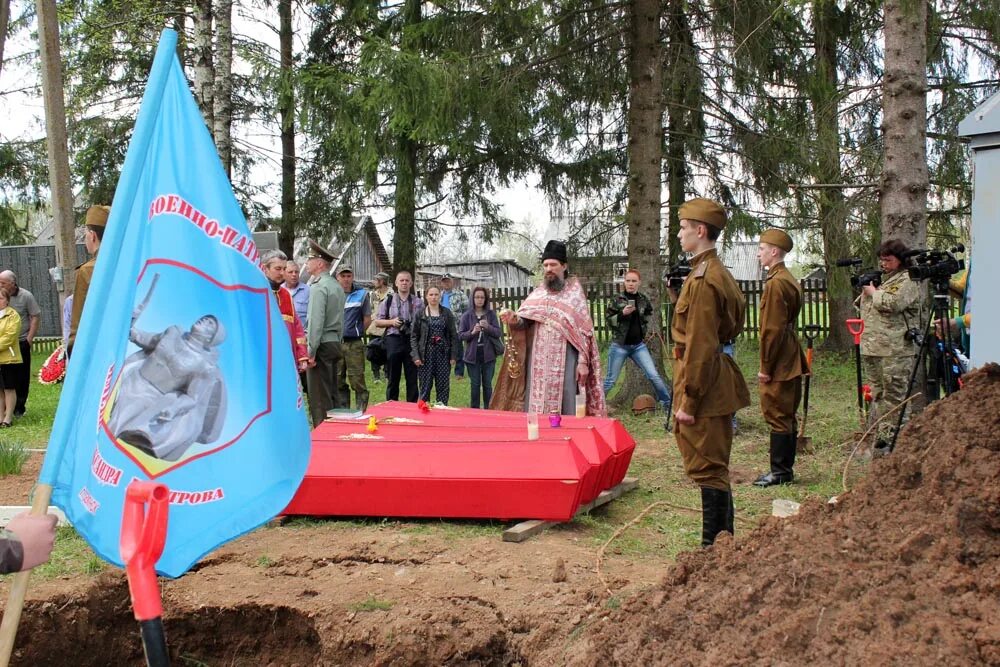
(904, 569)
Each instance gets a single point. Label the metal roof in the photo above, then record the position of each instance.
(985, 119)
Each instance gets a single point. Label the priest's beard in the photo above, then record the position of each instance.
(554, 282)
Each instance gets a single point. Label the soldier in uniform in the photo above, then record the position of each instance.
(97, 219)
(886, 355)
(708, 386)
(782, 363)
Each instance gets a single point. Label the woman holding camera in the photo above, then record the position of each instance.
(434, 346)
(396, 314)
(886, 354)
(480, 330)
(628, 317)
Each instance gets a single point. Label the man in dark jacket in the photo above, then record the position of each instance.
(628, 316)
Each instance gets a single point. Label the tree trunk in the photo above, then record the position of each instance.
(4, 22)
(404, 236)
(645, 143)
(56, 140)
(680, 46)
(204, 69)
(286, 111)
(905, 183)
(223, 99)
(832, 204)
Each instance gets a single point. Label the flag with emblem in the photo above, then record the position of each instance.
(182, 371)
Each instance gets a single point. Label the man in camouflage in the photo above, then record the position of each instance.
(708, 385)
(454, 299)
(782, 363)
(886, 355)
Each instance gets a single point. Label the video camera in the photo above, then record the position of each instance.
(934, 265)
(675, 275)
(861, 277)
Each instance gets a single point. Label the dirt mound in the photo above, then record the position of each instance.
(904, 569)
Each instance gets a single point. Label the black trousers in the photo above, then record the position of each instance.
(22, 383)
(400, 364)
(322, 379)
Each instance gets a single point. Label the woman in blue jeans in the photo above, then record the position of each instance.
(479, 329)
(628, 317)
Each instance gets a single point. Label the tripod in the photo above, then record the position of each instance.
(942, 373)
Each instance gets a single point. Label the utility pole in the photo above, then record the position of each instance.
(55, 130)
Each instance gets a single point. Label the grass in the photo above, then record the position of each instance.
(661, 533)
(12, 458)
(372, 603)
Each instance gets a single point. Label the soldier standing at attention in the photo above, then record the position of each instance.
(708, 386)
(782, 363)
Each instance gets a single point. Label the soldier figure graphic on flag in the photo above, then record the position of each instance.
(172, 393)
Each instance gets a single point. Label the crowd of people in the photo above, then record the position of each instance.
(549, 360)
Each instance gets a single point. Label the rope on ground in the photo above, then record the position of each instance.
(618, 533)
(850, 456)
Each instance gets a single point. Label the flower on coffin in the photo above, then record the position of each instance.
(422, 406)
(372, 425)
(867, 389)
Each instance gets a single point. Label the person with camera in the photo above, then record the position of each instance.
(395, 315)
(782, 363)
(708, 385)
(480, 329)
(887, 353)
(628, 316)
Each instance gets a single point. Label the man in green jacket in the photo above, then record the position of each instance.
(325, 333)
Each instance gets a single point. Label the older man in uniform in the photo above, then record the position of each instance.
(708, 386)
(325, 334)
(782, 363)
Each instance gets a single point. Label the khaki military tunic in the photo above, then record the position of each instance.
(886, 355)
(84, 274)
(781, 354)
(707, 383)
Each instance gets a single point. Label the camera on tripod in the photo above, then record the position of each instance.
(861, 277)
(675, 275)
(934, 265)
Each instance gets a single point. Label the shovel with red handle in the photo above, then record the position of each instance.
(804, 442)
(857, 327)
(141, 543)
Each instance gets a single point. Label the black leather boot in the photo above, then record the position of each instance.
(782, 461)
(714, 514)
(731, 523)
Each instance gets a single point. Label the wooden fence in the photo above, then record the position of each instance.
(814, 307)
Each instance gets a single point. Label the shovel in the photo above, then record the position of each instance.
(804, 443)
(857, 327)
(142, 540)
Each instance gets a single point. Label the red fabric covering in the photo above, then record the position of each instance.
(295, 330)
(498, 480)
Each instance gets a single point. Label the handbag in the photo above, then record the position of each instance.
(498, 348)
(375, 351)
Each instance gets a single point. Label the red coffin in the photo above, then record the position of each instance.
(591, 445)
(511, 479)
(611, 430)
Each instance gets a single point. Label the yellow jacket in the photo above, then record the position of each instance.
(10, 331)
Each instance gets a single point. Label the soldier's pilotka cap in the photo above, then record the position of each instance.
(316, 250)
(97, 216)
(777, 238)
(704, 210)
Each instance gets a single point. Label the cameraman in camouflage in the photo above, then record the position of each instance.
(887, 354)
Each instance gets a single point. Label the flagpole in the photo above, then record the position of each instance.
(125, 192)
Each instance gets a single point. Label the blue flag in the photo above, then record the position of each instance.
(183, 370)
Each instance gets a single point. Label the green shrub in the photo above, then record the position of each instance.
(12, 458)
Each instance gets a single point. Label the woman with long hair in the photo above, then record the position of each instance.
(480, 329)
(434, 346)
